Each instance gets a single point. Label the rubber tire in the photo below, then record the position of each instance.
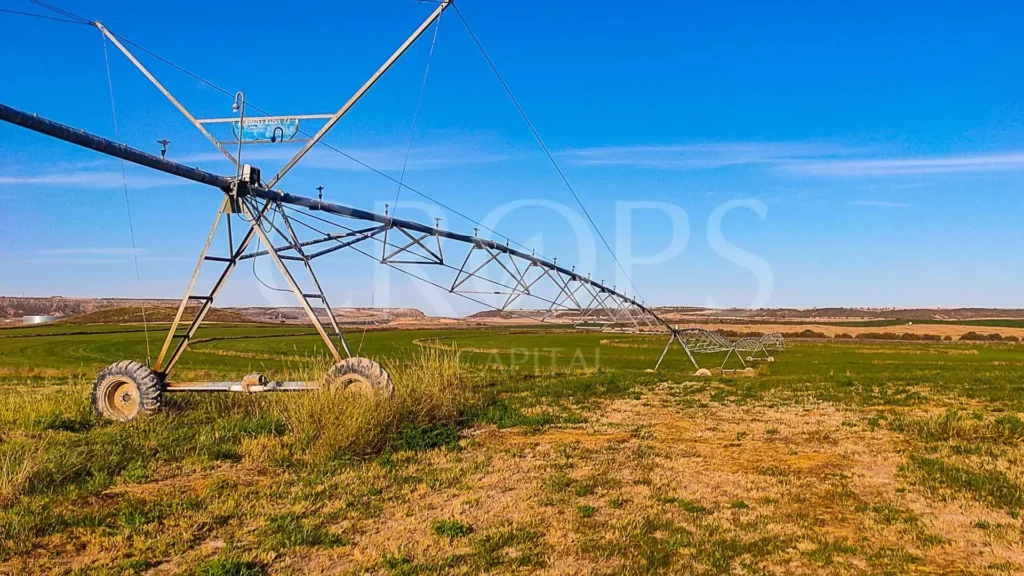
(149, 387)
(360, 370)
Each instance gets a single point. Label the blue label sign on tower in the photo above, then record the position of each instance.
(267, 129)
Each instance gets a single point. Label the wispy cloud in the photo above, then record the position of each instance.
(93, 255)
(89, 251)
(79, 251)
(704, 155)
(82, 255)
(165, 259)
(909, 166)
(801, 158)
(387, 159)
(435, 157)
(78, 261)
(93, 179)
(878, 204)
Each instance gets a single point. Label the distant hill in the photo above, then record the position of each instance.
(16, 307)
(12, 308)
(100, 310)
(133, 314)
(294, 314)
(838, 313)
(795, 314)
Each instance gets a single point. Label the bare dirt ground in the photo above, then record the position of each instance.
(662, 483)
(649, 485)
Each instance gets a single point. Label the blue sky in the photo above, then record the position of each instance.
(863, 154)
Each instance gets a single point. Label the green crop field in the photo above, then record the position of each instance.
(532, 451)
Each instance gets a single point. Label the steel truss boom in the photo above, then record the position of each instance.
(578, 299)
(568, 295)
(603, 303)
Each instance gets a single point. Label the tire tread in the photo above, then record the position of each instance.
(373, 372)
(149, 383)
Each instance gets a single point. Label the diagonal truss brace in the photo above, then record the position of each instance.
(675, 337)
(113, 39)
(359, 93)
(256, 221)
(429, 255)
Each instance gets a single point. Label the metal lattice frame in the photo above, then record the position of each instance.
(575, 299)
(754, 347)
(486, 272)
(506, 273)
(760, 349)
(701, 341)
(773, 341)
(293, 228)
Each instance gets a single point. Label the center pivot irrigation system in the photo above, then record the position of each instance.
(296, 229)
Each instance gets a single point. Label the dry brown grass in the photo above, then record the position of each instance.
(10, 372)
(433, 389)
(831, 330)
(667, 481)
(18, 460)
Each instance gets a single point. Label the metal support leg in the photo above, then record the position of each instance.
(208, 300)
(320, 291)
(687, 350)
(191, 286)
(674, 336)
(738, 356)
(255, 222)
(671, 338)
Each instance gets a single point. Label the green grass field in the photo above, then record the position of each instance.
(516, 451)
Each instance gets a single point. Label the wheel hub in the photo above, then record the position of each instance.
(123, 399)
(354, 383)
